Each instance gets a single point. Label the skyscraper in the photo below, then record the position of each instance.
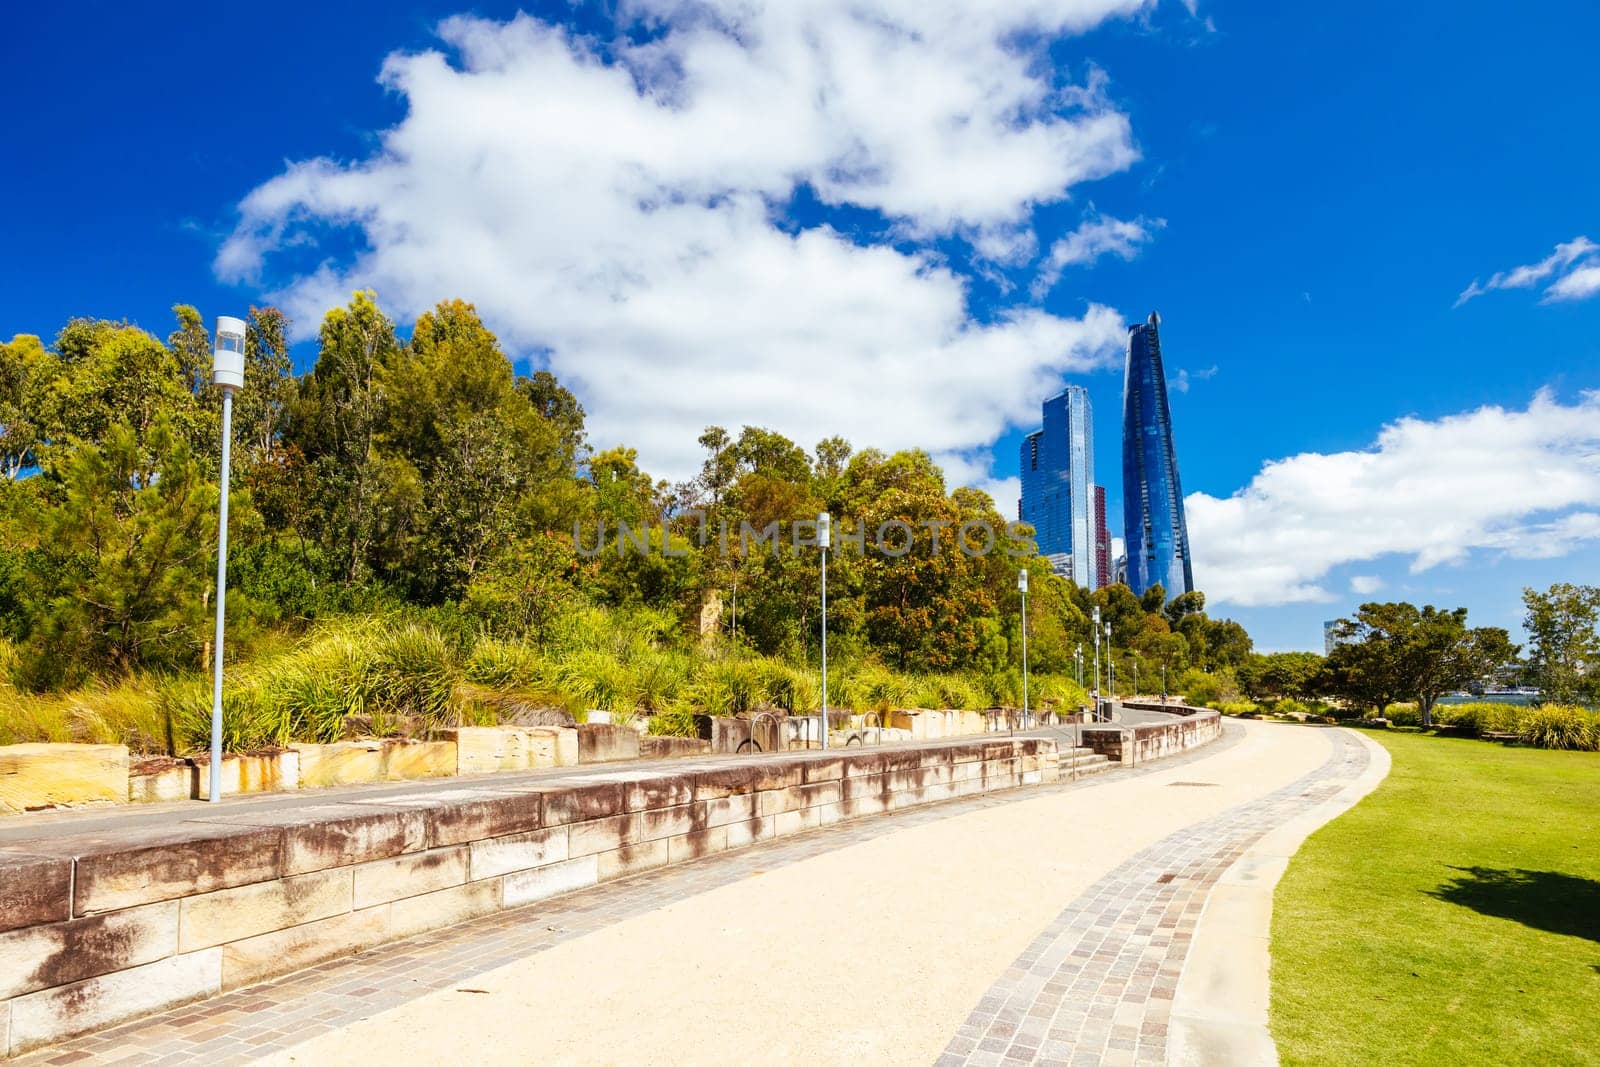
(1057, 486)
(1102, 540)
(1153, 524)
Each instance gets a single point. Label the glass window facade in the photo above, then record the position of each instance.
(1057, 465)
(1154, 527)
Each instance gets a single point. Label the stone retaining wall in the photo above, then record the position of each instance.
(100, 928)
(1157, 739)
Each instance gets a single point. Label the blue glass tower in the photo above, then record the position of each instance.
(1058, 486)
(1153, 526)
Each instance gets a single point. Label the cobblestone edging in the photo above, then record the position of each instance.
(1097, 985)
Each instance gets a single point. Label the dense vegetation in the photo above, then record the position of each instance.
(1448, 918)
(411, 543)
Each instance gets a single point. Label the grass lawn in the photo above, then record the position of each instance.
(1452, 917)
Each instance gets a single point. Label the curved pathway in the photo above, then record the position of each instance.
(1046, 925)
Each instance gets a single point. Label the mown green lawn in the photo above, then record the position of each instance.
(1452, 917)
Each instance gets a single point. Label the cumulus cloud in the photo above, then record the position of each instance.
(1525, 483)
(1365, 584)
(1097, 235)
(1574, 260)
(620, 207)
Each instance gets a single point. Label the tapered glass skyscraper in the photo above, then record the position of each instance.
(1153, 526)
(1058, 486)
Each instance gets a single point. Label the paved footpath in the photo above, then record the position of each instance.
(1044, 925)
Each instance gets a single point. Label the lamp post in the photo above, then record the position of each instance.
(1022, 587)
(1163, 685)
(1077, 659)
(1096, 632)
(824, 537)
(227, 373)
(1111, 665)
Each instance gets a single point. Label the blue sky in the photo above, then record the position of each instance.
(1312, 189)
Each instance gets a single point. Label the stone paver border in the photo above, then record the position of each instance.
(1220, 1012)
(1097, 986)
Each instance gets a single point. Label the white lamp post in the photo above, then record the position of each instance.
(1096, 631)
(824, 537)
(227, 374)
(1022, 587)
(1111, 665)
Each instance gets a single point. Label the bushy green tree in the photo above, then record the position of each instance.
(1564, 625)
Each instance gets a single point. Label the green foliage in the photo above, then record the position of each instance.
(1544, 726)
(1564, 623)
(1395, 651)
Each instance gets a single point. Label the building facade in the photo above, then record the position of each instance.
(1153, 524)
(1057, 465)
(1102, 540)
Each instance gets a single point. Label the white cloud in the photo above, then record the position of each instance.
(1579, 284)
(618, 208)
(1526, 483)
(1365, 584)
(1186, 377)
(1574, 284)
(1097, 235)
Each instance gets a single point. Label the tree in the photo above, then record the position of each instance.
(1280, 674)
(122, 575)
(25, 370)
(1564, 623)
(334, 423)
(1391, 651)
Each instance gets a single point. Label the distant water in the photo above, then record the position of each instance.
(1523, 699)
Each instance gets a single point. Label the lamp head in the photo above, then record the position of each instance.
(227, 354)
(1022, 580)
(824, 530)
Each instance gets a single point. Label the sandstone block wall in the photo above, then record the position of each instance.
(97, 929)
(1148, 741)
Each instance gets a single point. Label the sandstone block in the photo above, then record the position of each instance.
(338, 835)
(671, 822)
(341, 763)
(725, 810)
(282, 951)
(56, 954)
(269, 773)
(658, 791)
(579, 802)
(873, 804)
(749, 831)
(694, 845)
(518, 852)
(602, 835)
(415, 915)
(482, 749)
(662, 747)
(34, 889)
(404, 760)
(410, 875)
(553, 746)
(97, 1003)
(164, 784)
(631, 859)
(140, 866)
(54, 775)
(822, 769)
(457, 821)
(752, 777)
(602, 742)
(792, 822)
(525, 887)
(249, 910)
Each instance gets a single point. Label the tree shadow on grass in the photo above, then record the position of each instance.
(1545, 900)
